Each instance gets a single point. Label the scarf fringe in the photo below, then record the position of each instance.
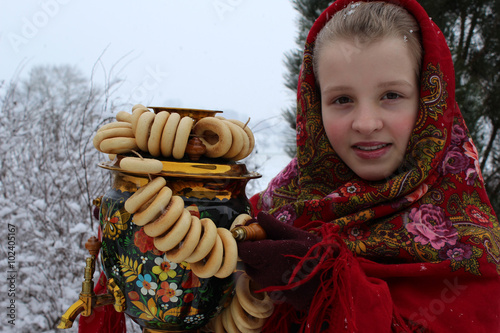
(332, 303)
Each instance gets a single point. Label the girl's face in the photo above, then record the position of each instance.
(369, 102)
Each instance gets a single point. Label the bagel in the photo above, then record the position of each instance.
(115, 124)
(258, 305)
(151, 212)
(143, 194)
(228, 322)
(215, 135)
(185, 248)
(241, 219)
(245, 322)
(135, 117)
(137, 106)
(230, 257)
(124, 116)
(143, 130)
(175, 234)
(168, 135)
(207, 267)
(141, 165)
(207, 241)
(111, 133)
(118, 145)
(218, 326)
(169, 213)
(182, 137)
(238, 137)
(245, 150)
(248, 131)
(156, 131)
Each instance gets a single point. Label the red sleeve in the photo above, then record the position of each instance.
(103, 319)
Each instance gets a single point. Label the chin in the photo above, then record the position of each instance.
(373, 177)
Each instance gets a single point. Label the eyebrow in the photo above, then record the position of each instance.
(395, 83)
(337, 88)
(381, 85)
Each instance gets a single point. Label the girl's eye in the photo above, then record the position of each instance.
(342, 100)
(392, 95)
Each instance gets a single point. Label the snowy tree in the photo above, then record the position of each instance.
(48, 180)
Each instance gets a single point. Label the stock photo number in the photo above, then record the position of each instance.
(11, 273)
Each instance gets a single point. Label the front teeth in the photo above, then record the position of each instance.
(371, 147)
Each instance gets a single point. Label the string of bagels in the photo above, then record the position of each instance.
(210, 250)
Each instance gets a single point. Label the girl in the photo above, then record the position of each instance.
(381, 223)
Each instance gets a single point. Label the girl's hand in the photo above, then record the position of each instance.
(270, 262)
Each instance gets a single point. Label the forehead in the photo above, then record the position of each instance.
(349, 59)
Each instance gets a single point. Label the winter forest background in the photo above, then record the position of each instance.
(48, 166)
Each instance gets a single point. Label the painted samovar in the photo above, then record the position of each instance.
(156, 293)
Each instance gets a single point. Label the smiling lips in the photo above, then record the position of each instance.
(371, 150)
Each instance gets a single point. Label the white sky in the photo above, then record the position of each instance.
(212, 54)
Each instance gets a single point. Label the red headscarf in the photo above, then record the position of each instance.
(425, 241)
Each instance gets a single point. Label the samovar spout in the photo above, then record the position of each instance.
(88, 299)
(70, 315)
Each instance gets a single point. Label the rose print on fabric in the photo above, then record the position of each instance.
(429, 225)
(455, 161)
(418, 193)
(286, 214)
(456, 252)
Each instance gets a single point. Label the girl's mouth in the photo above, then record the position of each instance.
(371, 151)
(370, 148)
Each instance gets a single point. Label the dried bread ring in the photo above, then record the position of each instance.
(118, 145)
(186, 247)
(141, 165)
(115, 124)
(228, 322)
(111, 133)
(215, 135)
(136, 114)
(207, 241)
(230, 256)
(154, 140)
(237, 141)
(241, 219)
(245, 150)
(143, 194)
(249, 133)
(138, 106)
(207, 267)
(175, 234)
(258, 305)
(168, 135)
(218, 327)
(124, 116)
(182, 137)
(143, 217)
(143, 130)
(243, 320)
(169, 214)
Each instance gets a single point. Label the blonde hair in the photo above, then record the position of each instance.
(368, 22)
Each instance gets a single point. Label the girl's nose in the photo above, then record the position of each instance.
(367, 120)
